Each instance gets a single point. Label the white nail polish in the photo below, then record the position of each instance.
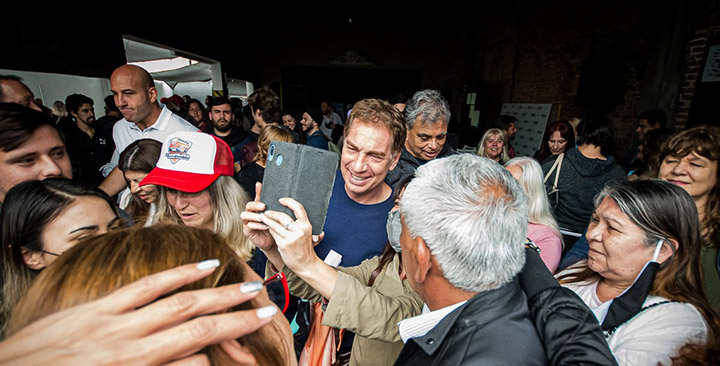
(249, 287)
(266, 312)
(210, 263)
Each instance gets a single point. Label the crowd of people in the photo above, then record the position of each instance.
(141, 237)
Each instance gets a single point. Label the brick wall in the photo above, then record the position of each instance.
(707, 27)
(540, 58)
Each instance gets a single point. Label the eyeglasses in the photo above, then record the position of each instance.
(51, 253)
(280, 277)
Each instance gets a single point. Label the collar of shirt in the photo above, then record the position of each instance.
(418, 326)
(160, 124)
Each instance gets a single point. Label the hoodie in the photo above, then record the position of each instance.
(581, 179)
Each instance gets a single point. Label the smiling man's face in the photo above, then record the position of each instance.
(366, 159)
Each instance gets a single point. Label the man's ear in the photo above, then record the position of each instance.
(424, 259)
(238, 352)
(395, 158)
(73, 114)
(152, 94)
(33, 260)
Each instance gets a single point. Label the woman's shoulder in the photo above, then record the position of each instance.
(670, 312)
(657, 332)
(540, 230)
(664, 321)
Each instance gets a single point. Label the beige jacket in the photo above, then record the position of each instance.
(372, 313)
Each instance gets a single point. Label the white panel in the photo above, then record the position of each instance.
(532, 119)
(196, 90)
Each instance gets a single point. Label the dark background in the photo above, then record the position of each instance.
(618, 58)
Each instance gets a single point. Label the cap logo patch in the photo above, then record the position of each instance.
(178, 150)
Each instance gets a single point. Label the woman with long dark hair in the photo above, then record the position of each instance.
(136, 161)
(42, 219)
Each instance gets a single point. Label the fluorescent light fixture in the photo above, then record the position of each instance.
(165, 64)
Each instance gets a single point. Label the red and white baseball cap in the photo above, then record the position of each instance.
(190, 162)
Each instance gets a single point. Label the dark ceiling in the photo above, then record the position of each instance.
(237, 36)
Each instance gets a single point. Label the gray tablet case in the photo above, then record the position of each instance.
(301, 172)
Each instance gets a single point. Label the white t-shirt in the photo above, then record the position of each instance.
(654, 334)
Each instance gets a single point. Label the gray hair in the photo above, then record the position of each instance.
(429, 106)
(661, 209)
(473, 217)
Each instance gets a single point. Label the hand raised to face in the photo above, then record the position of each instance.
(130, 327)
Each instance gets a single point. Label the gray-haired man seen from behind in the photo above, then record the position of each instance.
(427, 116)
(463, 231)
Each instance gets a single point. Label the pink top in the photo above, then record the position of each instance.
(549, 243)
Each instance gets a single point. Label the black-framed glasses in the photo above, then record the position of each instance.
(51, 253)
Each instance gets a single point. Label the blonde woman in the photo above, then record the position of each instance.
(197, 189)
(493, 146)
(542, 228)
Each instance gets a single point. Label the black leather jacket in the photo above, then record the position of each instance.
(492, 328)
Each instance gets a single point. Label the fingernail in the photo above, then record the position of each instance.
(249, 287)
(315, 238)
(266, 312)
(210, 263)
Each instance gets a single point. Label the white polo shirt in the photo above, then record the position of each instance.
(125, 133)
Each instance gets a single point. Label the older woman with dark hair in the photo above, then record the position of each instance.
(642, 277)
(574, 178)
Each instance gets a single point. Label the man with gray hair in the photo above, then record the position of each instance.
(463, 231)
(427, 116)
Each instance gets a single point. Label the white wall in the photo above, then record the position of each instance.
(195, 89)
(52, 87)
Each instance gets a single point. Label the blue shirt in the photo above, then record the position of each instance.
(317, 139)
(355, 231)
